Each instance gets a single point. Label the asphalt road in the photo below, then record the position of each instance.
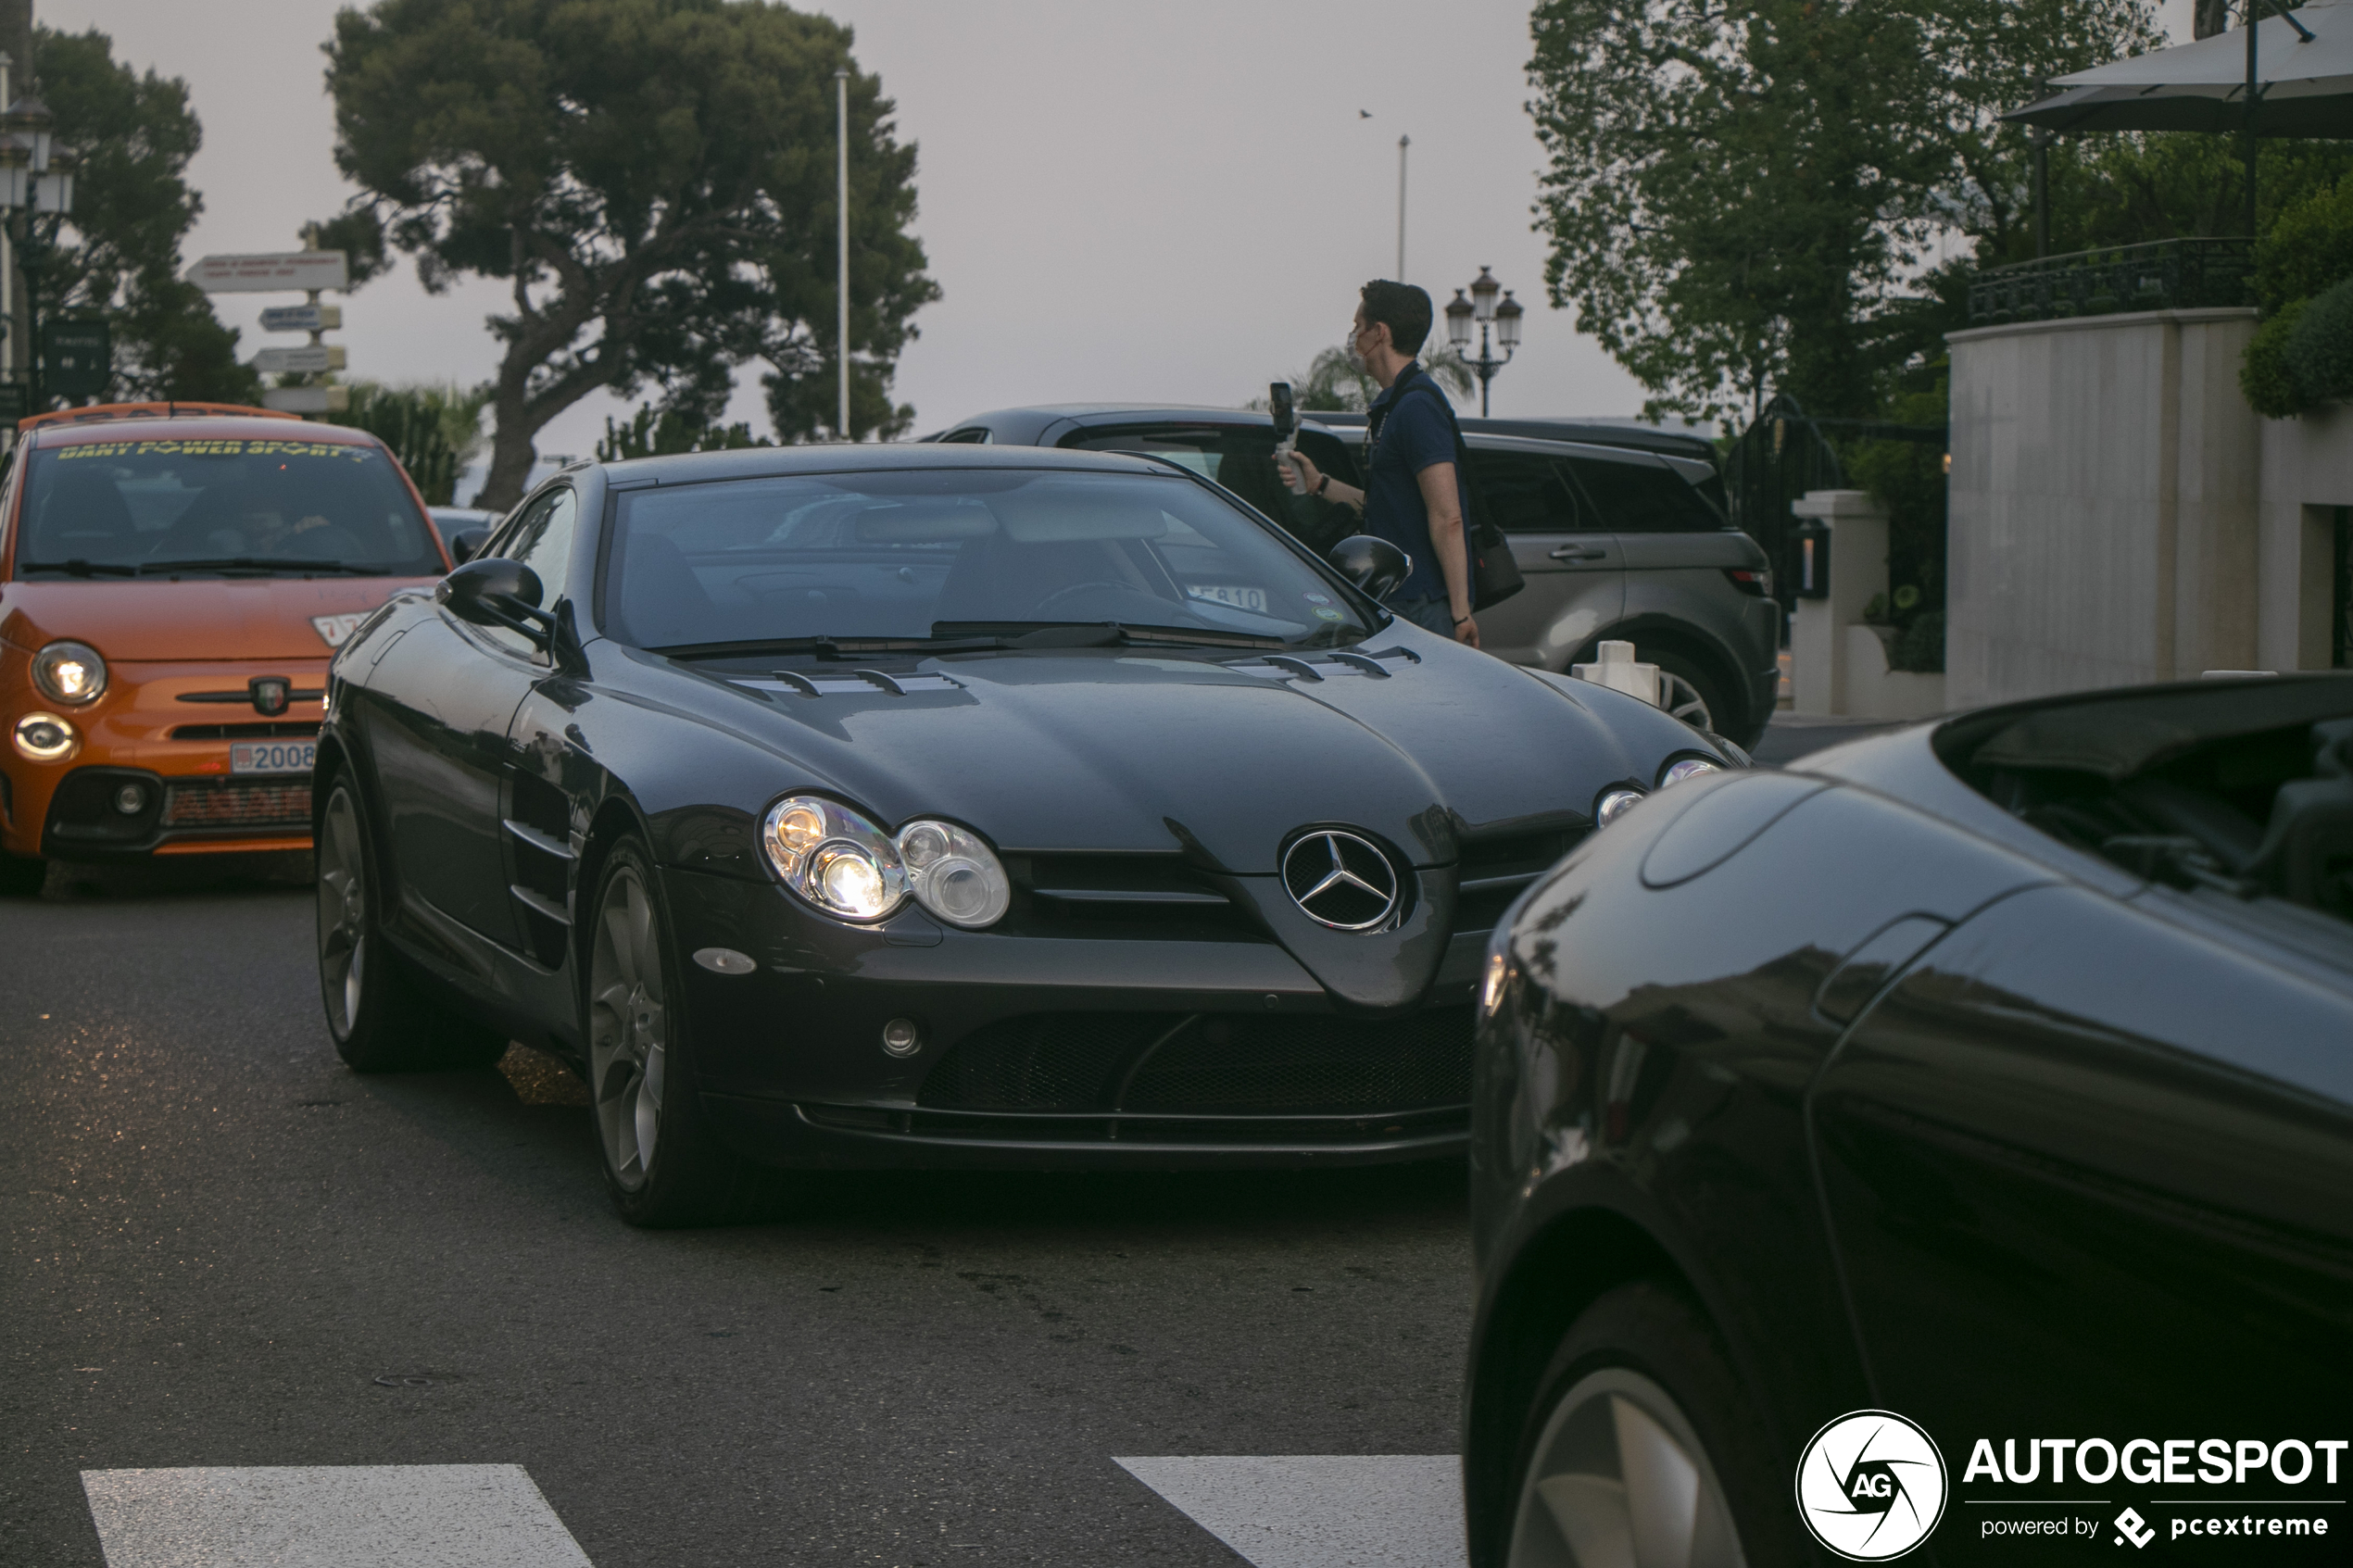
(225, 1249)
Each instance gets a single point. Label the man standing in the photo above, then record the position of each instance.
(1411, 497)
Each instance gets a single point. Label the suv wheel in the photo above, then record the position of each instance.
(1692, 692)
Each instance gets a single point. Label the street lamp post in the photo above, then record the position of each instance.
(34, 179)
(1503, 320)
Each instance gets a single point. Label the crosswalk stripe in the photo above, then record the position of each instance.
(350, 1517)
(1320, 1511)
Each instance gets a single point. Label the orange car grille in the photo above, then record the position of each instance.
(237, 805)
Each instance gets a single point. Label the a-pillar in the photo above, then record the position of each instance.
(1818, 639)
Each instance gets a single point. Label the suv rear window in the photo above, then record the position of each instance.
(1242, 458)
(229, 506)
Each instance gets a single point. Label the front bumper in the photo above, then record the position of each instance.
(170, 729)
(1062, 1052)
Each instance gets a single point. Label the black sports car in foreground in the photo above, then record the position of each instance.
(2027, 1117)
(940, 805)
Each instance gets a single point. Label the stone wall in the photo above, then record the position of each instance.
(2104, 505)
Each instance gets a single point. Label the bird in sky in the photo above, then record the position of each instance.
(1364, 114)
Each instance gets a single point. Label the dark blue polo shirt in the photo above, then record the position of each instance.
(1415, 433)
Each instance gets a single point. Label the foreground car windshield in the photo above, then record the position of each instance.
(900, 554)
(228, 508)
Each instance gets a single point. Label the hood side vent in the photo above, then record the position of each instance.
(1316, 667)
(856, 682)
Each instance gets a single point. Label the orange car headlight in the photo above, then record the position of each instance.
(44, 737)
(69, 673)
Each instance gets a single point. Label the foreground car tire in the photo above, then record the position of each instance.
(664, 1165)
(1640, 1449)
(381, 1019)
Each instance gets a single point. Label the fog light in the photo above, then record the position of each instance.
(901, 1037)
(44, 737)
(131, 799)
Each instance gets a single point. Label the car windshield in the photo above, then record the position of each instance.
(229, 506)
(922, 553)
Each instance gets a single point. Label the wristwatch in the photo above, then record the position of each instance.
(1323, 484)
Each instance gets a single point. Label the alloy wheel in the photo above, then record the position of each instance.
(627, 1028)
(1621, 1480)
(1682, 699)
(343, 913)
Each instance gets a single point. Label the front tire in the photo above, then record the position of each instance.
(379, 1017)
(1641, 1449)
(664, 1167)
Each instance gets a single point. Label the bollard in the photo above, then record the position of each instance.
(1615, 666)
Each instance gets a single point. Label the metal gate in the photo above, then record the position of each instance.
(1779, 457)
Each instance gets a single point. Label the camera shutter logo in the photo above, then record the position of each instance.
(1870, 1485)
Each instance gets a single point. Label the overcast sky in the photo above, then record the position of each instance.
(1118, 200)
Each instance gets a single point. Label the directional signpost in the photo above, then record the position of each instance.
(316, 358)
(310, 271)
(77, 358)
(284, 272)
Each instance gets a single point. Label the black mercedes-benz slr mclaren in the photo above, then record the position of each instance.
(2028, 1117)
(933, 805)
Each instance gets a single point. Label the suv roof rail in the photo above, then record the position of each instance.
(100, 412)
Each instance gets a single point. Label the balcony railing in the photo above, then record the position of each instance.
(2165, 275)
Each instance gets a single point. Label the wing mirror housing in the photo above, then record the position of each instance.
(467, 543)
(1373, 564)
(497, 591)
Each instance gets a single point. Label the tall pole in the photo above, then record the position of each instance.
(2252, 88)
(1402, 143)
(841, 337)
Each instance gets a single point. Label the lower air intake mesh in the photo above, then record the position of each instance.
(190, 804)
(1207, 1064)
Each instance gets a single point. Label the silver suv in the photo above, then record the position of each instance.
(1616, 540)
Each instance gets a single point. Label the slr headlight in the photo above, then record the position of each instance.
(1689, 767)
(833, 857)
(69, 673)
(953, 874)
(1614, 805)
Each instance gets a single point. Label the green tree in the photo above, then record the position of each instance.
(655, 181)
(657, 432)
(434, 429)
(1747, 195)
(119, 253)
(1336, 383)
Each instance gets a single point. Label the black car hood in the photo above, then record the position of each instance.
(1136, 751)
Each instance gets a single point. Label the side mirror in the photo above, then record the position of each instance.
(1373, 564)
(496, 592)
(467, 543)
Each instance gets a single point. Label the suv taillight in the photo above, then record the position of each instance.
(1760, 583)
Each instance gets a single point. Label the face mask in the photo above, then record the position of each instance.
(1356, 355)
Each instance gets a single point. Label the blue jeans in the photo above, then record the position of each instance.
(1431, 613)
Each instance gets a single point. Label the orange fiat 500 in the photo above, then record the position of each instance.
(173, 579)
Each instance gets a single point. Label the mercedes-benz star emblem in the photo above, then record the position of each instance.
(1341, 880)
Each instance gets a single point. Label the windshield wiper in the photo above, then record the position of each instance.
(260, 563)
(1098, 633)
(80, 568)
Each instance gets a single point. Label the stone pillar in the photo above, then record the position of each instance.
(1819, 677)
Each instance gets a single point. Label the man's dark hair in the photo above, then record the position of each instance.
(1403, 308)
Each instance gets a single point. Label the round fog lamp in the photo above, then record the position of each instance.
(131, 799)
(44, 737)
(1613, 806)
(901, 1037)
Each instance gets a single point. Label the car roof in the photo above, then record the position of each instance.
(246, 426)
(756, 462)
(1592, 433)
